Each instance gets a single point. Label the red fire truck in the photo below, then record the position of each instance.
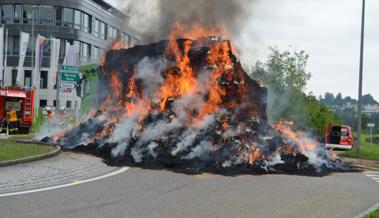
(22, 101)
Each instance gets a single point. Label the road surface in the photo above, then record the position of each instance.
(140, 193)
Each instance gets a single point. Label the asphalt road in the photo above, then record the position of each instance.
(160, 193)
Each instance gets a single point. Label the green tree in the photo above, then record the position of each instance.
(285, 75)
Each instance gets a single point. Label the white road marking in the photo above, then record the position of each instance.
(77, 182)
(373, 175)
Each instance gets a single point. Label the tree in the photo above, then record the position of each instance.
(286, 77)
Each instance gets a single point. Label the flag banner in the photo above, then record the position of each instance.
(1, 52)
(72, 56)
(68, 45)
(40, 45)
(54, 59)
(24, 40)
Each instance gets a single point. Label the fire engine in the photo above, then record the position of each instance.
(22, 101)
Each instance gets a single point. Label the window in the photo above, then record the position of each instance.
(95, 26)
(14, 77)
(6, 13)
(28, 78)
(68, 104)
(42, 103)
(17, 14)
(68, 17)
(86, 23)
(46, 48)
(85, 51)
(54, 103)
(77, 19)
(44, 79)
(16, 45)
(103, 31)
(112, 32)
(31, 47)
(58, 16)
(30, 13)
(46, 15)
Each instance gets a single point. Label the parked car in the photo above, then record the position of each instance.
(339, 137)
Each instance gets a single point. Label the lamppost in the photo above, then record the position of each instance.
(359, 126)
(36, 97)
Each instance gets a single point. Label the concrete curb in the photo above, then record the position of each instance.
(368, 211)
(33, 158)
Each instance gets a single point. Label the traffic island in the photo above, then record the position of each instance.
(16, 152)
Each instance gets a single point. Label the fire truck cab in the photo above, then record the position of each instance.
(339, 137)
(22, 101)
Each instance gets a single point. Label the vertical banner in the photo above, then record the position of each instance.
(68, 46)
(2, 55)
(54, 59)
(24, 40)
(40, 45)
(72, 56)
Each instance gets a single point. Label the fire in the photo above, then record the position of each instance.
(306, 144)
(204, 107)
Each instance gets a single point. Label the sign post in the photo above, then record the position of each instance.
(67, 78)
(371, 126)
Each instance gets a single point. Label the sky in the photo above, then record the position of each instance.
(327, 30)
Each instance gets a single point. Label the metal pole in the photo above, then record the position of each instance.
(359, 126)
(36, 98)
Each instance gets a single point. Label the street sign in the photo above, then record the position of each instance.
(66, 85)
(69, 69)
(371, 125)
(70, 77)
(69, 73)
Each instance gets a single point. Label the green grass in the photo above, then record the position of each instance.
(11, 150)
(374, 214)
(367, 151)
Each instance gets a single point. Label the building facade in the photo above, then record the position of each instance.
(91, 25)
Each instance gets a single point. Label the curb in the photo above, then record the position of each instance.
(33, 158)
(368, 211)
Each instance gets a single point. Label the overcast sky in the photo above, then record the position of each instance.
(329, 31)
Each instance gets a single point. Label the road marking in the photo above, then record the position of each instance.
(373, 175)
(77, 182)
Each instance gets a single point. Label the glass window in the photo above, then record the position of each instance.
(46, 15)
(95, 26)
(17, 13)
(68, 18)
(16, 45)
(29, 15)
(28, 78)
(68, 104)
(77, 20)
(14, 77)
(31, 47)
(103, 31)
(42, 103)
(46, 48)
(86, 23)
(44, 79)
(6, 13)
(58, 16)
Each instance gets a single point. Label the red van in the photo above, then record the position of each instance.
(339, 137)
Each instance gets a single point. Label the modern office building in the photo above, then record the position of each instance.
(91, 25)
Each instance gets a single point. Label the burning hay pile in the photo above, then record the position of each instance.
(188, 103)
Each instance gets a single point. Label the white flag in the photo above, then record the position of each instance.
(68, 46)
(24, 40)
(1, 52)
(54, 59)
(72, 56)
(40, 42)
